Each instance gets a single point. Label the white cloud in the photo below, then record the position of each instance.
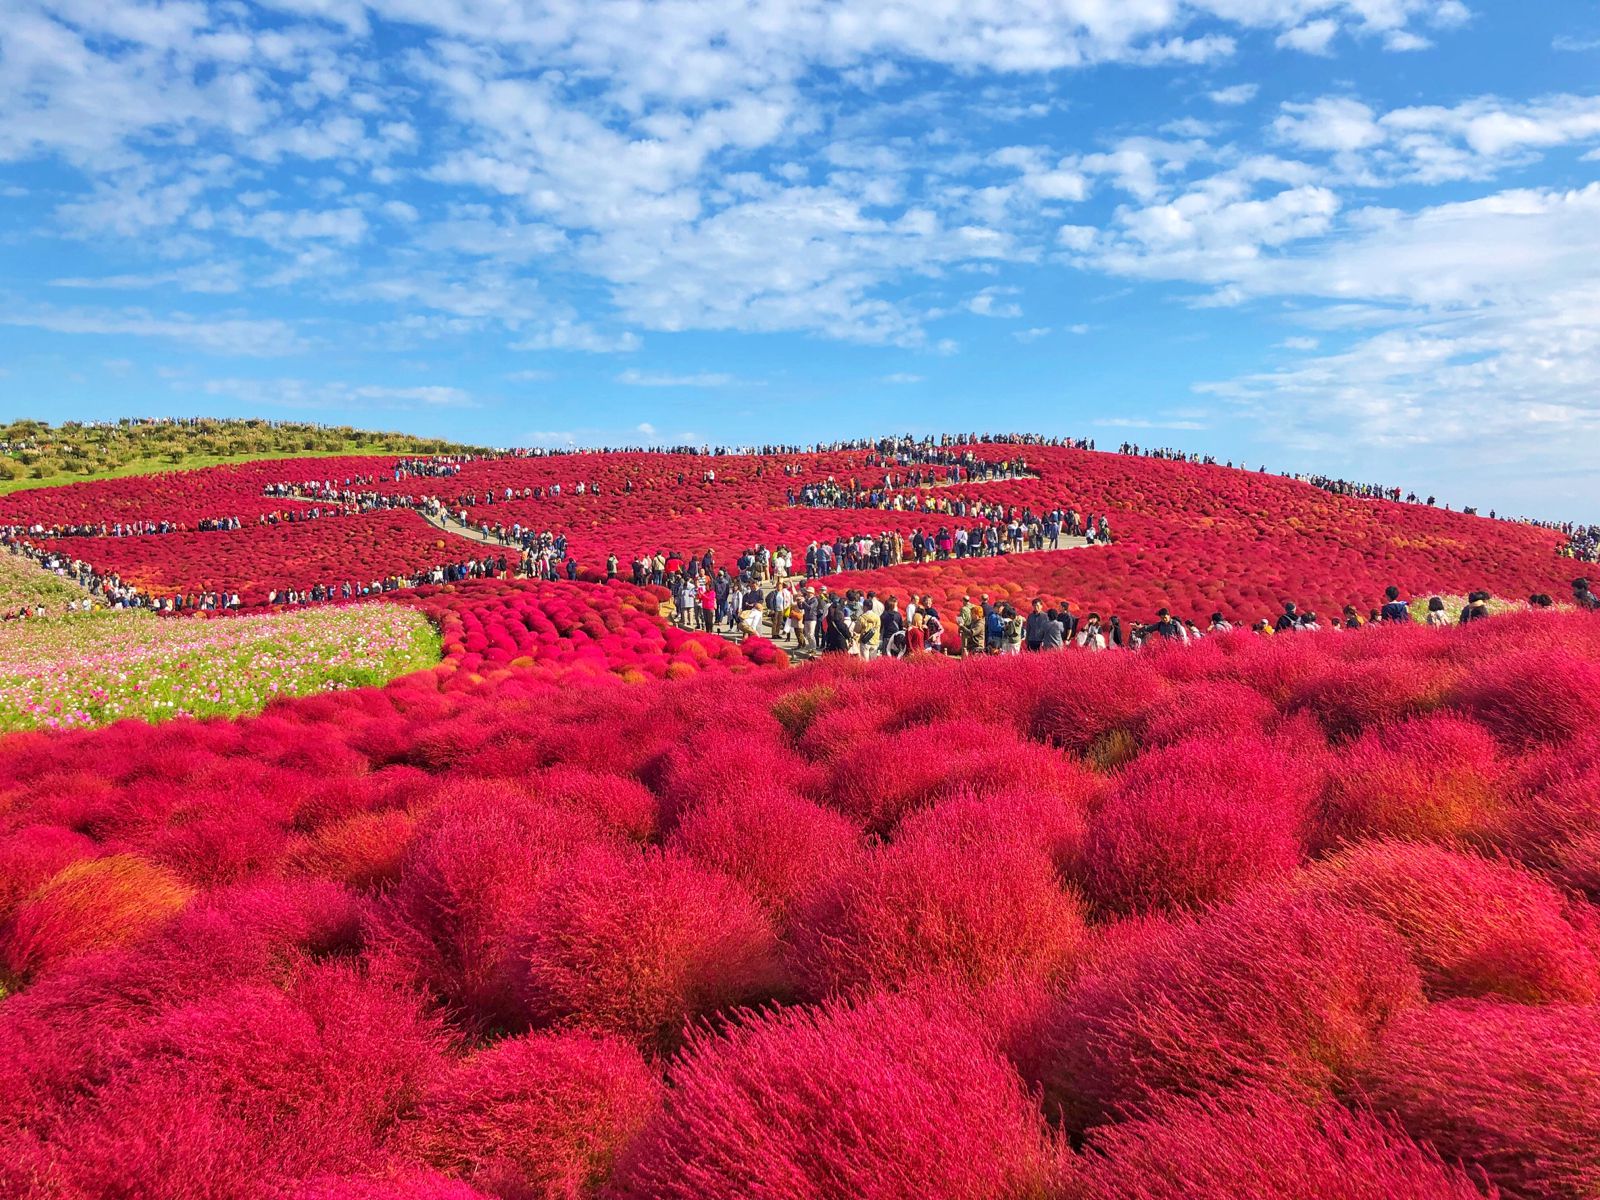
(667, 379)
(1314, 37)
(903, 377)
(992, 302)
(1300, 343)
(1435, 144)
(1333, 123)
(214, 335)
(301, 393)
(1239, 93)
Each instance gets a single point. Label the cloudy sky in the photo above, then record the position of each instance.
(1358, 236)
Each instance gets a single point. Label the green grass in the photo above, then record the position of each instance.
(22, 582)
(189, 462)
(83, 670)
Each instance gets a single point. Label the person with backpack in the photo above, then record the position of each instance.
(1394, 608)
(1436, 614)
(1583, 596)
(1289, 621)
(1477, 608)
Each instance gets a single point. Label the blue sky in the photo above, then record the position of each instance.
(1356, 236)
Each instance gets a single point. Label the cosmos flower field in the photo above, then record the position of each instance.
(597, 907)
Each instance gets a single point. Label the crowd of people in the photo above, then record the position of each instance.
(814, 619)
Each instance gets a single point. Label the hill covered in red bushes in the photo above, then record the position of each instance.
(1190, 537)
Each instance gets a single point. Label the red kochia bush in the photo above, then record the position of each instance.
(1192, 824)
(923, 908)
(1534, 696)
(32, 855)
(620, 803)
(1210, 708)
(1434, 778)
(1348, 698)
(1051, 821)
(1104, 695)
(884, 777)
(406, 1185)
(778, 845)
(475, 867)
(1554, 823)
(89, 905)
(1272, 989)
(641, 944)
(538, 1117)
(259, 1086)
(1272, 1146)
(1511, 1089)
(1475, 927)
(899, 1099)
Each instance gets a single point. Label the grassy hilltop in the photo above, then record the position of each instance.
(37, 454)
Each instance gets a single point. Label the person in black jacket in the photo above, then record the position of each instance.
(836, 634)
(1036, 626)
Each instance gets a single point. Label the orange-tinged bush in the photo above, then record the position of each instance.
(89, 905)
(364, 850)
(1435, 778)
(1475, 927)
(1271, 990)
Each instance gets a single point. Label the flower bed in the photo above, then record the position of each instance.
(95, 668)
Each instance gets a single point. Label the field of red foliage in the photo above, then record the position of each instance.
(602, 909)
(599, 908)
(1193, 538)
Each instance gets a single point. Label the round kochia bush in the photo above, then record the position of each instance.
(780, 846)
(964, 913)
(472, 870)
(1194, 823)
(1475, 927)
(1278, 1147)
(1511, 1089)
(1273, 989)
(537, 1117)
(641, 944)
(898, 1099)
(1435, 778)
